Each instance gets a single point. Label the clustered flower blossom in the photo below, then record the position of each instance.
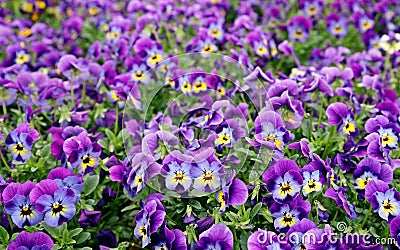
(282, 119)
(51, 200)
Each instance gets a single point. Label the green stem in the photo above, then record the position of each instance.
(3, 103)
(11, 224)
(336, 214)
(316, 210)
(116, 120)
(4, 161)
(366, 216)
(47, 117)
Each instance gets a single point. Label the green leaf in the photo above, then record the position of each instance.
(267, 215)
(231, 217)
(130, 207)
(53, 231)
(63, 227)
(45, 152)
(4, 237)
(196, 204)
(103, 143)
(75, 232)
(65, 236)
(90, 183)
(255, 210)
(82, 237)
(14, 236)
(56, 247)
(110, 134)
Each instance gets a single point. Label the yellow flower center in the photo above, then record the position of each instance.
(298, 34)
(143, 231)
(388, 140)
(199, 86)
(186, 87)
(312, 10)
(285, 189)
(93, 11)
(366, 25)
(138, 180)
(57, 208)
(338, 29)
(25, 32)
(21, 59)
(27, 7)
(223, 139)
(155, 58)
(349, 127)
(262, 50)
(88, 162)
(40, 4)
(287, 220)
(221, 92)
(388, 207)
(362, 183)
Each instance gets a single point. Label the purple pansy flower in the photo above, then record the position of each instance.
(56, 204)
(143, 169)
(311, 182)
(59, 135)
(216, 237)
(312, 8)
(362, 21)
(283, 180)
(259, 43)
(82, 153)
(388, 132)
(176, 170)
(291, 110)
(385, 201)
(133, 172)
(65, 179)
(157, 144)
(299, 28)
(339, 115)
(168, 239)
(234, 192)
(270, 130)
(369, 169)
(18, 205)
(89, 218)
(107, 238)
(149, 219)
(336, 25)
(288, 214)
(35, 240)
(151, 52)
(207, 173)
(20, 141)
